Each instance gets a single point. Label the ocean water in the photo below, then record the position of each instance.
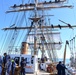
(67, 61)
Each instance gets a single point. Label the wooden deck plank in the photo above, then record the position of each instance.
(42, 73)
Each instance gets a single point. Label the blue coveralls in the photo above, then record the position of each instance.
(13, 66)
(59, 68)
(63, 69)
(8, 67)
(0, 66)
(23, 65)
(0, 70)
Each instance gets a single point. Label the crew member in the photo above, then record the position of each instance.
(8, 66)
(23, 65)
(13, 66)
(63, 69)
(59, 68)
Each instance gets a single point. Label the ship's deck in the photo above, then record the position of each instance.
(41, 73)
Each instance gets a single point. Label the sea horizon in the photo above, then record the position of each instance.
(67, 61)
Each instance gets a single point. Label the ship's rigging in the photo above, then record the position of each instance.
(42, 30)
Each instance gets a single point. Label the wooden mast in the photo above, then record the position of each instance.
(35, 20)
(67, 43)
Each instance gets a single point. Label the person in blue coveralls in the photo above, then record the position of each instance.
(5, 58)
(1, 65)
(8, 66)
(59, 68)
(63, 69)
(13, 66)
(23, 64)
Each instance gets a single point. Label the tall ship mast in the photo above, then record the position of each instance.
(38, 29)
(38, 25)
(41, 35)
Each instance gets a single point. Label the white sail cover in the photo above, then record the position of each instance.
(52, 40)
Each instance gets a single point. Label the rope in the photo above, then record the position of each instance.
(72, 1)
(3, 42)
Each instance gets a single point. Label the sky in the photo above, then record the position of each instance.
(67, 15)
